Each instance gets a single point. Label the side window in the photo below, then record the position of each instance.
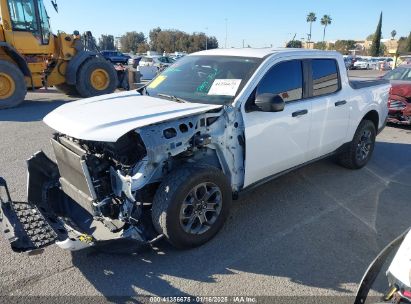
(284, 79)
(325, 76)
(22, 14)
(44, 22)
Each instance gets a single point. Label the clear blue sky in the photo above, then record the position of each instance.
(259, 22)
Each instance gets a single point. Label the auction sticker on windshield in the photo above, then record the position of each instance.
(225, 87)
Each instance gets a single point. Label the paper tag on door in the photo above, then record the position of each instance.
(225, 87)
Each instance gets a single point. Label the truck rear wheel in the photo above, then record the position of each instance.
(67, 89)
(96, 77)
(191, 205)
(360, 150)
(12, 85)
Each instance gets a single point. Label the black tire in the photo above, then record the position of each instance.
(84, 84)
(354, 157)
(67, 89)
(174, 190)
(13, 77)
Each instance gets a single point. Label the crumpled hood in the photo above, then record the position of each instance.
(108, 117)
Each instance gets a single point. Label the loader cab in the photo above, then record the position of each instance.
(29, 29)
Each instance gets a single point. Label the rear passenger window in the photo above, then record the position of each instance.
(285, 79)
(325, 76)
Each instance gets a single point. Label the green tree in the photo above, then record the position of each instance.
(213, 43)
(383, 50)
(153, 38)
(170, 41)
(143, 47)
(344, 46)
(106, 42)
(375, 49)
(393, 34)
(311, 18)
(325, 21)
(294, 44)
(320, 45)
(408, 44)
(131, 40)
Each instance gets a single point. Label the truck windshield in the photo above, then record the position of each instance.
(204, 79)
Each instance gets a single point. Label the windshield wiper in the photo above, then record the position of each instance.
(173, 98)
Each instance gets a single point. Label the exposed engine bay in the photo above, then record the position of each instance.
(101, 191)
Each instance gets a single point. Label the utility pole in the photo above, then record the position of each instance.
(243, 43)
(226, 32)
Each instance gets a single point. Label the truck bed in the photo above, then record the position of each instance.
(360, 84)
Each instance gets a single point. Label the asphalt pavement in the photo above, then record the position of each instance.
(312, 232)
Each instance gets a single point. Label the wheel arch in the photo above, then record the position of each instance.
(75, 63)
(17, 58)
(374, 117)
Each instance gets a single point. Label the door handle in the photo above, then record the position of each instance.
(300, 113)
(340, 103)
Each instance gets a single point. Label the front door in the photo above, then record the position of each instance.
(277, 141)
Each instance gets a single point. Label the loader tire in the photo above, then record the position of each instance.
(191, 205)
(67, 89)
(12, 85)
(96, 77)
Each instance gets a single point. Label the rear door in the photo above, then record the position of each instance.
(277, 141)
(330, 108)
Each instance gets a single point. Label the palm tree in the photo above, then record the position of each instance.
(325, 21)
(393, 34)
(311, 18)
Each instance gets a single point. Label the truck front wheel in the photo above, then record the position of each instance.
(191, 205)
(12, 85)
(96, 77)
(360, 150)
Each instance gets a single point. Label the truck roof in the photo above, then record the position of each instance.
(260, 52)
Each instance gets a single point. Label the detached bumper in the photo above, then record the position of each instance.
(23, 225)
(30, 229)
(51, 217)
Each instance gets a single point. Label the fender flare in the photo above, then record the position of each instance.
(18, 59)
(75, 63)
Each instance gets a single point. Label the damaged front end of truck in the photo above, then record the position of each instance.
(99, 193)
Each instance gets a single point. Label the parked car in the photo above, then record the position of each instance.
(115, 57)
(373, 63)
(400, 95)
(362, 64)
(158, 61)
(134, 61)
(348, 63)
(168, 160)
(405, 60)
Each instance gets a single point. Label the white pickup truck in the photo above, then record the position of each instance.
(167, 161)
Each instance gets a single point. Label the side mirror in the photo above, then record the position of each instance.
(268, 102)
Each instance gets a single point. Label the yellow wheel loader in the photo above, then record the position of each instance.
(32, 57)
